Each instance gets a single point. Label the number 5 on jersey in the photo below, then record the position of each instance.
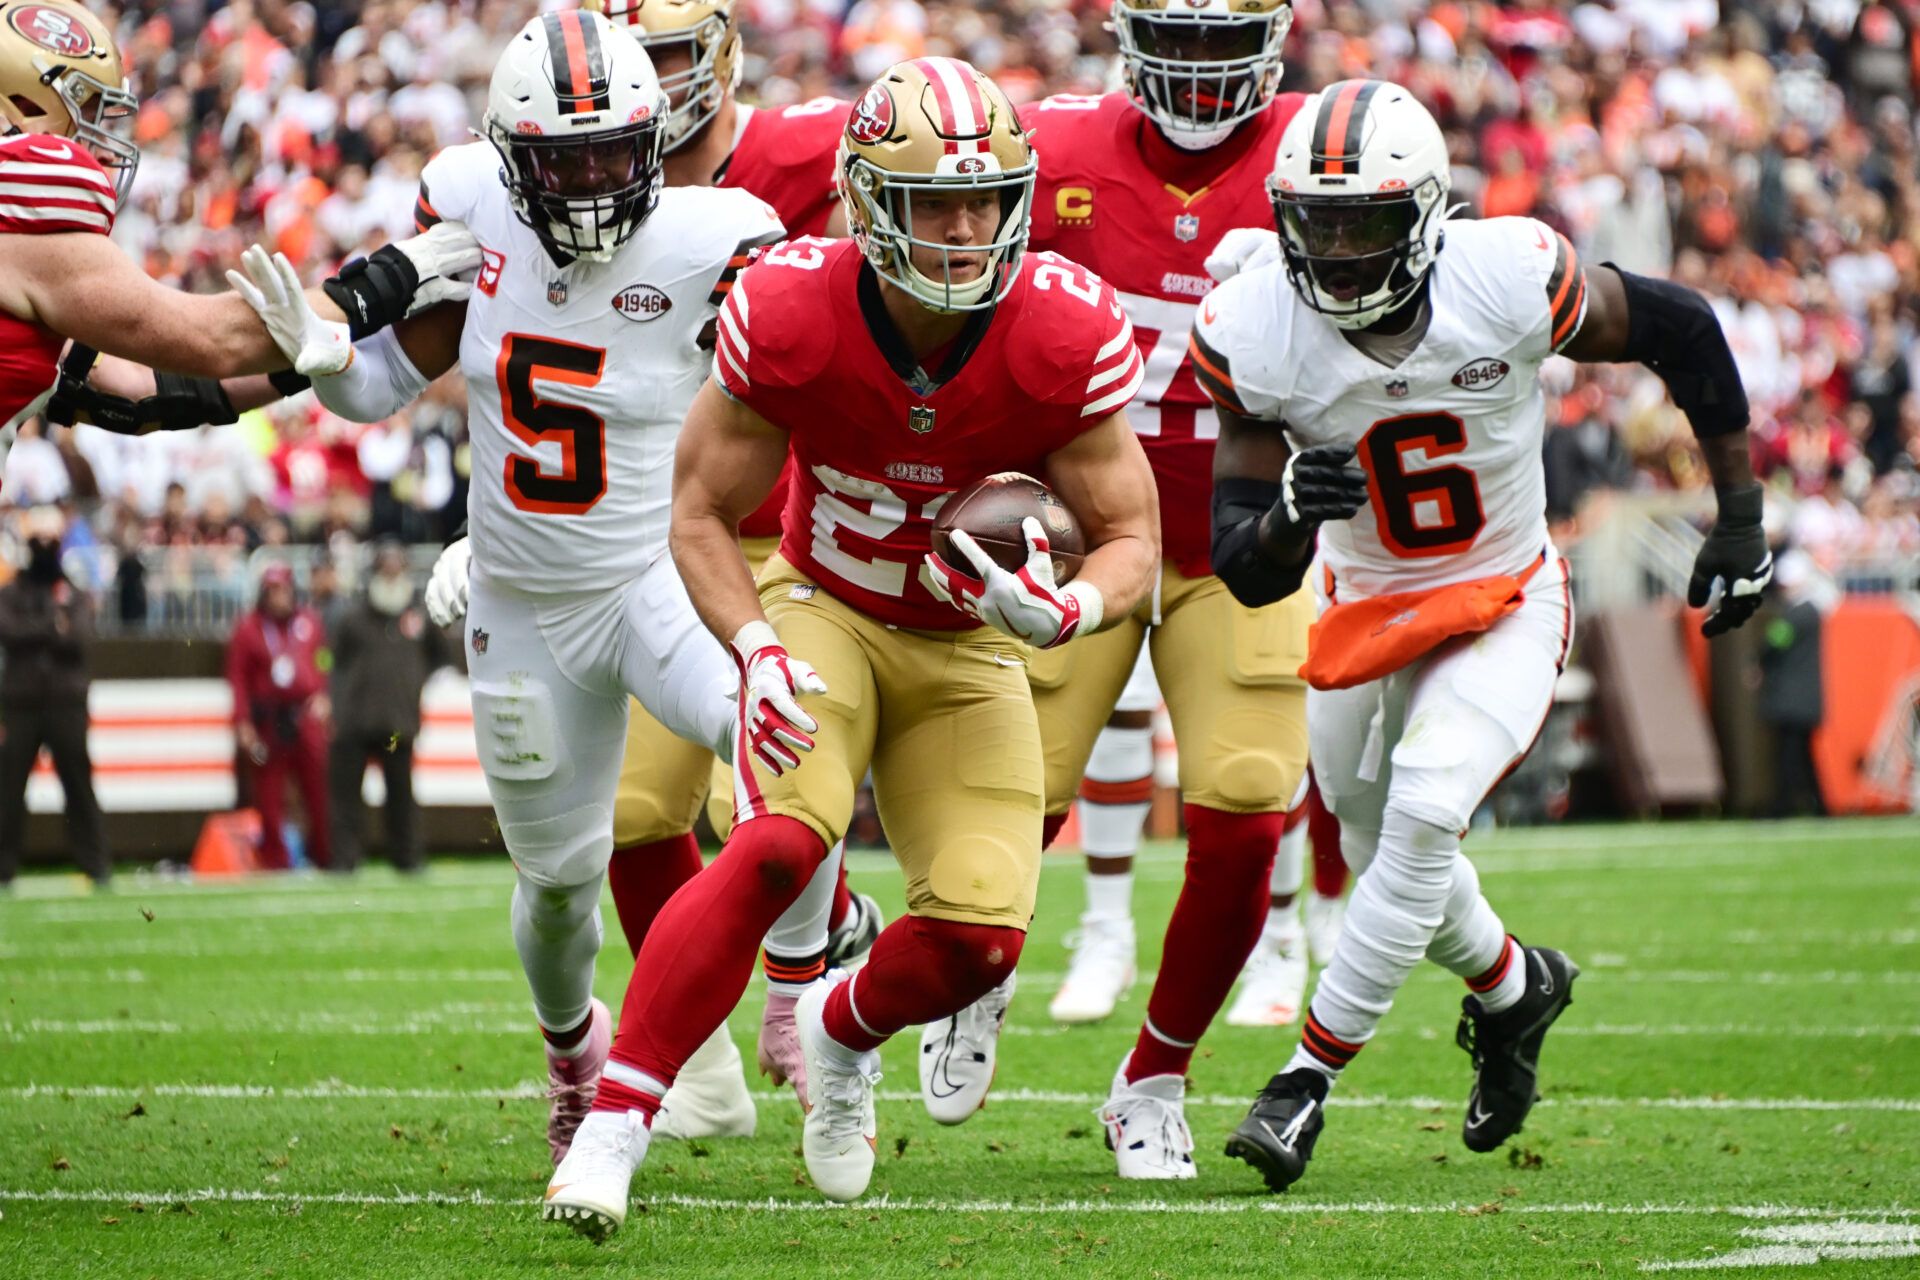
(581, 434)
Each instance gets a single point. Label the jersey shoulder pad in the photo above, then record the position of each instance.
(1074, 343)
(1073, 132)
(714, 230)
(1524, 277)
(1240, 341)
(777, 318)
(50, 184)
(453, 182)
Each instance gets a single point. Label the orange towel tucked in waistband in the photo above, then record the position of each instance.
(1364, 640)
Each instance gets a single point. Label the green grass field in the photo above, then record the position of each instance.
(317, 1078)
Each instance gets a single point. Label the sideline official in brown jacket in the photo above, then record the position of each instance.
(46, 624)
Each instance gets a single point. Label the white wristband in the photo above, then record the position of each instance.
(756, 635)
(1093, 605)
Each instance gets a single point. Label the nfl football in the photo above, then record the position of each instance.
(991, 511)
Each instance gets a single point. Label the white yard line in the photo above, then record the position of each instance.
(1803, 1244)
(528, 1090)
(909, 1204)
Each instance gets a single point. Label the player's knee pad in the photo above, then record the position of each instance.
(1243, 769)
(1416, 857)
(557, 911)
(1121, 755)
(983, 874)
(572, 848)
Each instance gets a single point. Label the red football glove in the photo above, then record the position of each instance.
(772, 726)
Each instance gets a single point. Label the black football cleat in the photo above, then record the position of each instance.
(1277, 1136)
(1505, 1047)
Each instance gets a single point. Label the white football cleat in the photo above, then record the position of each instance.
(588, 1191)
(1273, 986)
(1100, 973)
(1147, 1126)
(957, 1056)
(839, 1136)
(709, 1098)
(1324, 918)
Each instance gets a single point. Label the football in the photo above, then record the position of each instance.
(992, 510)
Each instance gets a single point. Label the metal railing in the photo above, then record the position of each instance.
(200, 592)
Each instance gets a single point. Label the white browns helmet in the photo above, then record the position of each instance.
(711, 35)
(1198, 68)
(1359, 190)
(60, 74)
(576, 113)
(935, 125)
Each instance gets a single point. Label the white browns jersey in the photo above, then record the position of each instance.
(579, 377)
(1450, 439)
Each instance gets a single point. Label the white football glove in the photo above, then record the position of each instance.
(447, 587)
(1025, 605)
(771, 723)
(1242, 249)
(441, 254)
(318, 348)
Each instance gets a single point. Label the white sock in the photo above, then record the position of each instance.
(1301, 1058)
(1109, 897)
(1289, 863)
(798, 939)
(557, 932)
(1115, 795)
(1506, 993)
(1282, 922)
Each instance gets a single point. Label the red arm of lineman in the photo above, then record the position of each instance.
(83, 286)
(1104, 478)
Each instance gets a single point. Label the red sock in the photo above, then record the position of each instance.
(1050, 827)
(699, 954)
(920, 971)
(842, 899)
(1215, 923)
(644, 876)
(1323, 831)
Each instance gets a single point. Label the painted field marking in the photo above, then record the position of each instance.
(529, 1090)
(1803, 1244)
(909, 1204)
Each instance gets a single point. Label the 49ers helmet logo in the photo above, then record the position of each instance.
(51, 29)
(872, 118)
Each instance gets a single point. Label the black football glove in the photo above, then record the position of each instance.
(1321, 483)
(1734, 566)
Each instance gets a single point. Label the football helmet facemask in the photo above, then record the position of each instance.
(60, 74)
(1198, 68)
(702, 31)
(1359, 190)
(936, 127)
(576, 113)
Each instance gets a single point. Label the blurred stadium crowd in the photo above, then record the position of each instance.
(1764, 151)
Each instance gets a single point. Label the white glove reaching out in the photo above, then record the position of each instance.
(441, 254)
(772, 726)
(1243, 249)
(318, 348)
(1025, 605)
(447, 587)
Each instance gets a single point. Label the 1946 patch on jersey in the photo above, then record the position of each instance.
(1481, 375)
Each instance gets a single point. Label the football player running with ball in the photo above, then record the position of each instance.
(923, 355)
(1137, 184)
(1380, 388)
(581, 347)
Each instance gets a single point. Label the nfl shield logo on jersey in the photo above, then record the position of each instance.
(1186, 226)
(479, 640)
(1397, 388)
(920, 419)
(557, 292)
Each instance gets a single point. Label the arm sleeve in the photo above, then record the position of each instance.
(377, 383)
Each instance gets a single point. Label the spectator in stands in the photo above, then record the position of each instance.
(1792, 702)
(45, 627)
(275, 665)
(383, 651)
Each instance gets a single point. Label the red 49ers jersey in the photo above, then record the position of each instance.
(785, 156)
(1117, 196)
(873, 460)
(47, 185)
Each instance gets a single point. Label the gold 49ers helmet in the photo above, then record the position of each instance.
(60, 74)
(936, 126)
(711, 40)
(1200, 67)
